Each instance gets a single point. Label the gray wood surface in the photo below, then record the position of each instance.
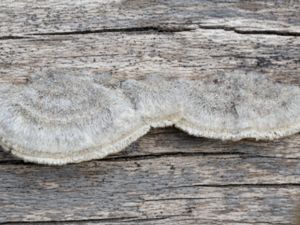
(167, 177)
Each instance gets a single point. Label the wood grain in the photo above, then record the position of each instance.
(22, 17)
(191, 54)
(163, 178)
(166, 177)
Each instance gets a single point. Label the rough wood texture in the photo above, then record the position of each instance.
(167, 177)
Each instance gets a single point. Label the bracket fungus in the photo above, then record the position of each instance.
(59, 118)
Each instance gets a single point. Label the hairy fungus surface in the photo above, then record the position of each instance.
(60, 118)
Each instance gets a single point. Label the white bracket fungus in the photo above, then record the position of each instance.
(61, 118)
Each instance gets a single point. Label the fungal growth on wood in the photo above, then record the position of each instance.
(60, 118)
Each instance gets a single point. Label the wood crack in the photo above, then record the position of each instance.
(110, 220)
(12, 37)
(117, 219)
(151, 29)
(169, 154)
(160, 29)
(117, 158)
(257, 32)
(238, 185)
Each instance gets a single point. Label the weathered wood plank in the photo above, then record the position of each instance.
(191, 54)
(20, 18)
(214, 188)
(167, 177)
(210, 164)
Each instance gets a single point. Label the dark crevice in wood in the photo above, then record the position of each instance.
(239, 31)
(130, 220)
(192, 154)
(14, 162)
(169, 154)
(150, 29)
(120, 219)
(159, 155)
(152, 219)
(268, 32)
(257, 185)
(105, 220)
(159, 29)
(175, 199)
(12, 37)
(238, 185)
(118, 158)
